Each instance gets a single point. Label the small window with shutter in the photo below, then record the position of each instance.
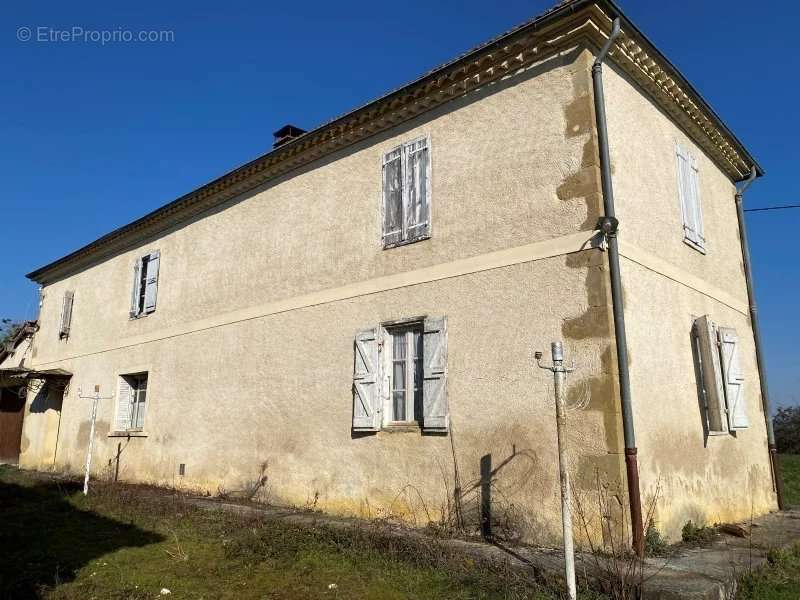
(722, 379)
(145, 285)
(400, 376)
(406, 193)
(689, 195)
(131, 402)
(66, 314)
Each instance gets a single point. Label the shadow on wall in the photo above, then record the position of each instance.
(482, 504)
(48, 397)
(46, 539)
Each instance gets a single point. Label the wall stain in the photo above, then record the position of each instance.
(579, 119)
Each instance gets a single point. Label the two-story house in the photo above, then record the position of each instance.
(355, 313)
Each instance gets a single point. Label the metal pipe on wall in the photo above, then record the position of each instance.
(608, 224)
(777, 480)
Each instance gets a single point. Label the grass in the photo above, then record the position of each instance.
(790, 469)
(780, 579)
(132, 541)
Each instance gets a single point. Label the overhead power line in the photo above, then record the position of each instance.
(772, 208)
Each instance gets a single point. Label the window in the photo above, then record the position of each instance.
(405, 376)
(400, 376)
(145, 285)
(689, 193)
(66, 315)
(131, 402)
(406, 193)
(721, 376)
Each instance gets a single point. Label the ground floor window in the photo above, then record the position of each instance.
(131, 402)
(400, 376)
(406, 374)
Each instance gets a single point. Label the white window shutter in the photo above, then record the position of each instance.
(435, 410)
(366, 378)
(417, 206)
(66, 314)
(694, 185)
(124, 399)
(685, 192)
(392, 197)
(706, 331)
(734, 379)
(136, 290)
(151, 282)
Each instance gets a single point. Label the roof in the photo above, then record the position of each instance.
(24, 330)
(485, 62)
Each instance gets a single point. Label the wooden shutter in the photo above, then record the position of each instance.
(435, 411)
(124, 399)
(66, 314)
(392, 197)
(151, 282)
(417, 206)
(694, 186)
(689, 196)
(706, 332)
(733, 378)
(366, 378)
(136, 289)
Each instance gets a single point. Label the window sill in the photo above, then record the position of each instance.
(128, 434)
(717, 433)
(407, 242)
(402, 428)
(695, 245)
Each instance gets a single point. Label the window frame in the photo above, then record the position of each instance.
(139, 291)
(413, 367)
(141, 406)
(404, 154)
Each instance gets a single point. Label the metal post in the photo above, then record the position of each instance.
(95, 400)
(559, 377)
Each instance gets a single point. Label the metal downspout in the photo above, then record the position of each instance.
(777, 481)
(609, 226)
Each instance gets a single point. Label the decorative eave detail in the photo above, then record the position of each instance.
(650, 69)
(561, 28)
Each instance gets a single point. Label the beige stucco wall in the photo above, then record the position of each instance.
(667, 284)
(277, 390)
(250, 354)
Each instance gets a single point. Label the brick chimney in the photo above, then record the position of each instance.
(286, 134)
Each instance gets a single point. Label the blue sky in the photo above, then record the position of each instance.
(96, 135)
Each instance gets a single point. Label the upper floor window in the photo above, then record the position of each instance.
(66, 315)
(145, 284)
(689, 193)
(406, 193)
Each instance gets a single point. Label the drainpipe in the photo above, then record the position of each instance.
(777, 481)
(608, 224)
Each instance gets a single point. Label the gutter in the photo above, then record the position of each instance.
(777, 480)
(608, 224)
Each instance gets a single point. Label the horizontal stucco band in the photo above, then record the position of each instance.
(653, 263)
(485, 262)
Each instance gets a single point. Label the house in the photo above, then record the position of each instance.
(354, 314)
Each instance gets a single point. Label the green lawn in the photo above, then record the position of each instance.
(790, 468)
(781, 579)
(131, 541)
